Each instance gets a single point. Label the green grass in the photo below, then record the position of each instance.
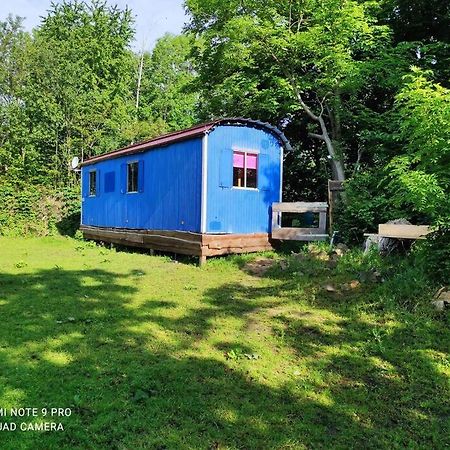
(149, 353)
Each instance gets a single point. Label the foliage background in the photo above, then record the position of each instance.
(361, 86)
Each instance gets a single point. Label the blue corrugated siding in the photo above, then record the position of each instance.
(232, 210)
(170, 197)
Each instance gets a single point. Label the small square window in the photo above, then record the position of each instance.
(92, 183)
(132, 177)
(245, 170)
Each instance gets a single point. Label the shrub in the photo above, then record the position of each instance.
(434, 254)
(38, 210)
(367, 204)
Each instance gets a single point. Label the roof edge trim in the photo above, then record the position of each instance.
(190, 133)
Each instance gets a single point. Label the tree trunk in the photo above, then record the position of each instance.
(139, 80)
(337, 167)
(336, 163)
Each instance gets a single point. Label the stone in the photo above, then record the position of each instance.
(340, 249)
(376, 277)
(441, 305)
(442, 299)
(443, 294)
(332, 264)
(323, 256)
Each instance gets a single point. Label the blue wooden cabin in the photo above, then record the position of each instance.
(204, 191)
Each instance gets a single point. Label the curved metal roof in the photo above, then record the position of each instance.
(189, 133)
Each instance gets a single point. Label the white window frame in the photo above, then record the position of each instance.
(137, 179)
(89, 186)
(245, 152)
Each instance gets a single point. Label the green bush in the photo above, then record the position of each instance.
(373, 198)
(434, 254)
(38, 210)
(367, 204)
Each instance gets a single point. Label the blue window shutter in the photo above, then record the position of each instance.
(226, 168)
(109, 182)
(141, 176)
(123, 178)
(264, 172)
(97, 183)
(85, 182)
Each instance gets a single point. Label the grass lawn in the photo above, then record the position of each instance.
(149, 353)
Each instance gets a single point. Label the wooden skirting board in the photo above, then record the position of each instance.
(181, 242)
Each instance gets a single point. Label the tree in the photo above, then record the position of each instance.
(13, 69)
(77, 93)
(420, 37)
(412, 179)
(12, 42)
(276, 59)
(422, 172)
(166, 93)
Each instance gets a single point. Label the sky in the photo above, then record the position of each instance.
(153, 18)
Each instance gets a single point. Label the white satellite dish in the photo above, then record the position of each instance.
(75, 162)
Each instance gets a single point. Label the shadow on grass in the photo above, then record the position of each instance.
(70, 339)
(73, 339)
(382, 367)
(69, 224)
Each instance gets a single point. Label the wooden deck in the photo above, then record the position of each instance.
(181, 242)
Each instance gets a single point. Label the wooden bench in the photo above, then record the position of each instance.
(400, 231)
(394, 231)
(299, 234)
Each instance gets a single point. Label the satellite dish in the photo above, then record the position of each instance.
(75, 162)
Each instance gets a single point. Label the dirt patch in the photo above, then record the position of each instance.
(282, 311)
(258, 326)
(258, 267)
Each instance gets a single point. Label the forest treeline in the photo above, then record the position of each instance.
(361, 89)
